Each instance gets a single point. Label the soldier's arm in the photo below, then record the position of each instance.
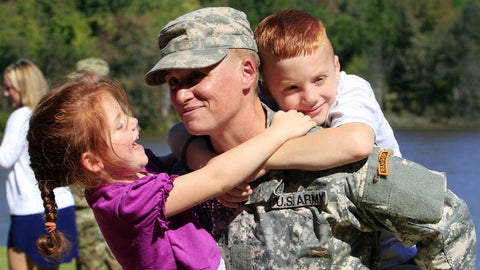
(191, 151)
(449, 243)
(452, 242)
(413, 203)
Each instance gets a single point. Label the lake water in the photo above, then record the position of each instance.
(457, 153)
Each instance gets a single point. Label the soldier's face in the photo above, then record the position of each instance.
(205, 99)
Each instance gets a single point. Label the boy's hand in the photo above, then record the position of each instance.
(235, 196)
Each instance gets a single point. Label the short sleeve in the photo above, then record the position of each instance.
(140, 204)
(144, 203)
(355, 103)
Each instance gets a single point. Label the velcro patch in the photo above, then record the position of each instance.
(382, 166)
(300, 199)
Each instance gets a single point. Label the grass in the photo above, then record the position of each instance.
(3, 257)
(4, 264)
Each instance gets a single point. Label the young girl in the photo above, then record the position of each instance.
(24, 86)
(82, 133)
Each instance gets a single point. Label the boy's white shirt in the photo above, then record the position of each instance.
(356, 102)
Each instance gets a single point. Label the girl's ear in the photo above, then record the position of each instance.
(91, 163)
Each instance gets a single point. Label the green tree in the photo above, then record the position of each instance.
(466, 94)
(56, 34)
(420, 56)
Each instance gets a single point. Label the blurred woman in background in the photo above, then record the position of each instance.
(24, 86)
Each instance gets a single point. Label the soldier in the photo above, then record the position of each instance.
(93, 64)
(94, 253)
(299, 219)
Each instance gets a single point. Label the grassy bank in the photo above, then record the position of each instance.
(4, 264)
(411, 122)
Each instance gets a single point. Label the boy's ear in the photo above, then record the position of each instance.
(91, 163)
(336, 63)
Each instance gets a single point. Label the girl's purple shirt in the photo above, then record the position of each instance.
(132, 219)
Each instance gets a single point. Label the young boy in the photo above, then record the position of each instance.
(300, 71)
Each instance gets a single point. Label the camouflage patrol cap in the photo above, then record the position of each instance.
(93, 64)
(200, 39)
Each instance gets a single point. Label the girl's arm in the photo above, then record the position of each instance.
(233, 167)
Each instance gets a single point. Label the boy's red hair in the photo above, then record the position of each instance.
(291, 33)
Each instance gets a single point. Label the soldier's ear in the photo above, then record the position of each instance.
(249, 73)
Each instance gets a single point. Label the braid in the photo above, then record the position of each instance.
(67, 122)
(54, 245)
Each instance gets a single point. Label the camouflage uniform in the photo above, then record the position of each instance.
(330, 219)
(319, 219)
(93, 64)
(94, 253)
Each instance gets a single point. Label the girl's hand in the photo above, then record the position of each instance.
(285, 125)
(291, 124)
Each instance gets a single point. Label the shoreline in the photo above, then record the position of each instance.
(414, 123)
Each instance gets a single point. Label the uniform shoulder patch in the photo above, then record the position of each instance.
(382, 166)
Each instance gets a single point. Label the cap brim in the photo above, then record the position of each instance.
(184, 59)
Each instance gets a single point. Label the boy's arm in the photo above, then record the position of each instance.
(323, 149)
(326, 148)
